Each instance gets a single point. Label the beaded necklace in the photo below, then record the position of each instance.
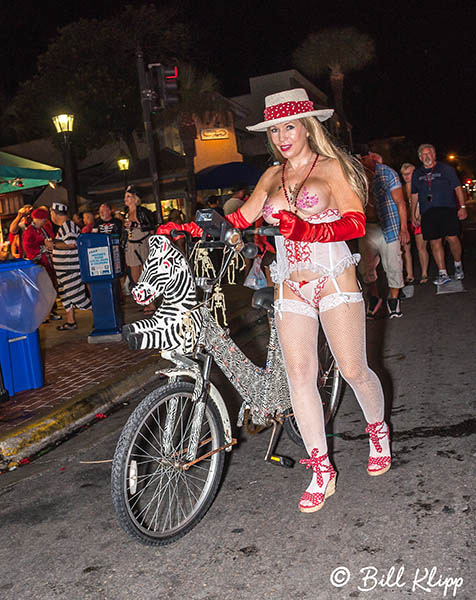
(295, 192)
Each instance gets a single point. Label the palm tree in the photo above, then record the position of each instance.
(341, 50)
(199, 98)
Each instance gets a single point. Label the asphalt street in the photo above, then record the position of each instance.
(407, 534)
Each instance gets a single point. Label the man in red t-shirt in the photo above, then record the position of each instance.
(34, 245)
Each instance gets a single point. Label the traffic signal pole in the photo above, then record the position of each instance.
(146, 94)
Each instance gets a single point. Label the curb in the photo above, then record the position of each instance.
(80, 410)
(25, 441)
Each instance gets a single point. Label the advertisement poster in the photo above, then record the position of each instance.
(99, 262)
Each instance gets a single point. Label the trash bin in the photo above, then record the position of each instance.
(101, 267)
(26, 298)
(20, 359)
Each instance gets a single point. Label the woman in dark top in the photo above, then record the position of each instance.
(140, 224)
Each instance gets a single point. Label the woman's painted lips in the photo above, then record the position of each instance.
(285, 148)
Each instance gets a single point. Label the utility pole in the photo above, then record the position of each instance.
(147, 98)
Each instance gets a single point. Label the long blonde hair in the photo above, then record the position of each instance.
(321, 143)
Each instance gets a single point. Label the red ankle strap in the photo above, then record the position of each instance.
(315, 462)
(376, 434)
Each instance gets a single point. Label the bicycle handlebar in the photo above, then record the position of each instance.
(268, 230)
(176, 233)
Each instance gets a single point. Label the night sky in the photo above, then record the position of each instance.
(422, 84)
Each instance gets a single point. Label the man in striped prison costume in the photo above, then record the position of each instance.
(71, 290)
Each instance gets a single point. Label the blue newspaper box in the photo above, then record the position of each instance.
(24, 307)
(101, 265)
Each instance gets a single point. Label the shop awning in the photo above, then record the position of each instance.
(17, 173)
(228, 175)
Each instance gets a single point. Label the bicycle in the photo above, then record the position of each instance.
(169, 459)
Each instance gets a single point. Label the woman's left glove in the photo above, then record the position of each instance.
(350, 226)
(192, 228)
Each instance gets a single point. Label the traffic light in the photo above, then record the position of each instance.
(170, 85)
(162, 83)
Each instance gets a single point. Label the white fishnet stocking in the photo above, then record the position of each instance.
(298, 340)
(344, 327)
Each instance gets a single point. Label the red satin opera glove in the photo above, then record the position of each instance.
(238, 220)
(350, 226)
(192, 228)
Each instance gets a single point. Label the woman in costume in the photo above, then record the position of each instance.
(316, 195)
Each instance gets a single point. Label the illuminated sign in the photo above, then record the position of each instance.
(214, 134)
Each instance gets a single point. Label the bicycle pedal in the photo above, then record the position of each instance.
(283, 461)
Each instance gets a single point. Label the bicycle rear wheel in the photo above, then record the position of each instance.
(158, 499)
(329, 383)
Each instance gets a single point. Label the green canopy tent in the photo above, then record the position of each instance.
(17, 173)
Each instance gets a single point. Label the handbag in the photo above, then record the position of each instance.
(256, 279)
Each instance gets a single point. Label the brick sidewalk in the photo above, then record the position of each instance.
(68, 370)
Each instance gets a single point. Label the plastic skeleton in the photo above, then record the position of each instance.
(218, 301)
(203, 266)
(176, 323)
(233, 267)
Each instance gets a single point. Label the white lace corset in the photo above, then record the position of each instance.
(331, 258)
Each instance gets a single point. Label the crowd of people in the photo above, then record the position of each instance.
(48, 237)
(428, 205)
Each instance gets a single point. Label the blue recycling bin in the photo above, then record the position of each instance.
(26, 297)
(20, 360)
(102, 266)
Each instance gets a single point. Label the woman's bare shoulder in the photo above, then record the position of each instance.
(271, 171)
(266, 180)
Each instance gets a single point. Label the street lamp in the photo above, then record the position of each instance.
(64, 126)
(123, 163)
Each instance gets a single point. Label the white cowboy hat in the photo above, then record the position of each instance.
(288, 106)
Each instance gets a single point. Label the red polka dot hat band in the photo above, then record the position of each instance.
(286, 109)
(288, 106)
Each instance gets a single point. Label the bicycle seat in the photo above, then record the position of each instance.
(263, 298)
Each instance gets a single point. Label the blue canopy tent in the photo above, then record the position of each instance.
(17, 173)
(228, 175)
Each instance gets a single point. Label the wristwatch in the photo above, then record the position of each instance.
(462, 205)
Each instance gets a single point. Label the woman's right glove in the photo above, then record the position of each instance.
(351, 225)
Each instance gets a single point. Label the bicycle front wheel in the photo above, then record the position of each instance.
(157, 494)
(329, 383)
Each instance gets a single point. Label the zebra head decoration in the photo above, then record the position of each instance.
(174, 325)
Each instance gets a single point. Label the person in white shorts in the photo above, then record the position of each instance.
(386, 230)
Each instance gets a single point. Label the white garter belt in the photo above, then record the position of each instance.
(326, 303)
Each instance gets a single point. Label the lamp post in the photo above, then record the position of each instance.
(64, 125)
(123, 163)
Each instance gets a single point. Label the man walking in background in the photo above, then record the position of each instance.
(386, 230)
(437, 190)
